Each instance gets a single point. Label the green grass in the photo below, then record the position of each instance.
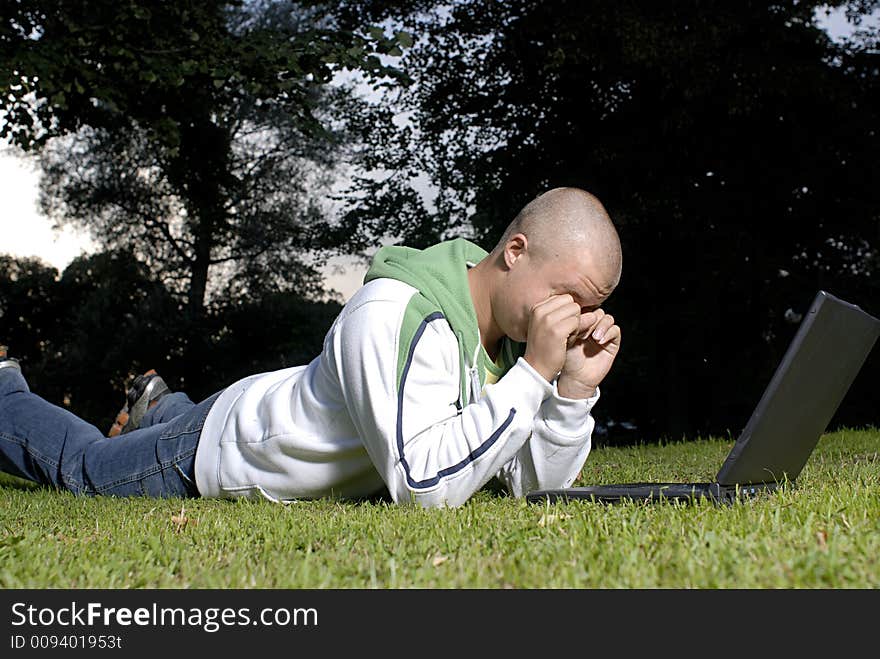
(824, 533)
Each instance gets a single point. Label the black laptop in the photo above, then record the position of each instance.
(826, 353)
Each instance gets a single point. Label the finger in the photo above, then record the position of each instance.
(589, 321)
(567, 314)
(612, 335)
(602, 326)
(553, 302)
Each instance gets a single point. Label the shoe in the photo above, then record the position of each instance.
(6, 361)
(145, 392)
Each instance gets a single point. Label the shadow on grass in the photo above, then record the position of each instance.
(15, 483)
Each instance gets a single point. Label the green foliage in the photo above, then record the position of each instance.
(107, 64)
(821, 534)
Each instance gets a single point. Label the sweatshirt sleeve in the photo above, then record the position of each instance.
(429, 450)
(559, 446)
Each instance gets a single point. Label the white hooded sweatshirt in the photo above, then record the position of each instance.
(398, 398)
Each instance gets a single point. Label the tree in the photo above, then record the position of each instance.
(29, 305)
(734, 144)
(197, 131)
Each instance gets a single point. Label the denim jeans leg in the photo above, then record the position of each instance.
(34, 433)
(47, 444)
(169, 406)
(157, 460)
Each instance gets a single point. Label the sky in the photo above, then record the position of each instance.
(26, 232)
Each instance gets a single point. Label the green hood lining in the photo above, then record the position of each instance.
(440, 274)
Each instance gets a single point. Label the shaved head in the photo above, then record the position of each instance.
(561, 243)
(567, 221)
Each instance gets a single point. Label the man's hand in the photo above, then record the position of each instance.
(552, 322)
(590, 354)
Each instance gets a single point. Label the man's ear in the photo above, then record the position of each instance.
(515, 248)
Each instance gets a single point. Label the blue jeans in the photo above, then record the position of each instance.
(47, 444)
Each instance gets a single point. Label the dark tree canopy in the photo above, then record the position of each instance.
(82, 336)
(734, 144)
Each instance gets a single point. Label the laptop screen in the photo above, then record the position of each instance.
(823, 359)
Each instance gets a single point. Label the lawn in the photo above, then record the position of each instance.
(823, 533)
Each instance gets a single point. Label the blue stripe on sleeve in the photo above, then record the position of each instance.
(476, 453)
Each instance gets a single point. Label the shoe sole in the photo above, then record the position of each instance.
(131, 414)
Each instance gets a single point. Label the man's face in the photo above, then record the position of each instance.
(531, 281)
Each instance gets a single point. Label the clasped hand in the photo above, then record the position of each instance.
(577, 347)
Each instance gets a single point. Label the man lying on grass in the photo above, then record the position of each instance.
(448, 368)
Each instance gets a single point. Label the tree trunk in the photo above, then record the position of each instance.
(198, 286)
(204, 168)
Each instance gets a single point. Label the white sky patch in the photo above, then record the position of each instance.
(24, 231)
(835, 24)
